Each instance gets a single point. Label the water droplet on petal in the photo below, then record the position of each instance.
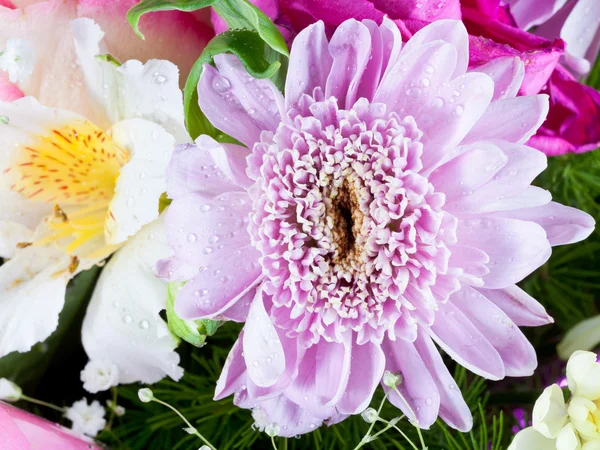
(191, 238)
(126, 319)
(221, 84)
(144, 324)
(159, 78)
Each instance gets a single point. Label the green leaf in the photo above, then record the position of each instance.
(192, 331)
(146, 6)
(250, 49)
(109, 59)
(243, 14)
(27, 368)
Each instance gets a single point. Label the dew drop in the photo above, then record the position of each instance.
(144, 324)
(126, 319)
(425, 82)
(159, 78)
(428, 401)
(204, 208)
(213, 239)
(191, 238)
(221, 84)
(207, 250)
(438, 102)
(459, 110)
(130, 201)
(255, 363)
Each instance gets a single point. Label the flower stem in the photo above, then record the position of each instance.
(42, 403)
(112, 410)
(401, 432)
(273, 442)
(363, 440)
(172, 408)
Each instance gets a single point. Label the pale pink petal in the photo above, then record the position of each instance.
(234, 105)
(516, 248)
(192, 169)
(472, 260)
(468, 171)
(453, 408)
(310, 63)
(511, 344)
(507, 72)
(563, 224)
(518, 305)
(350, 48)
(421, 399)
(581, 32)
(366, 369)
(512, 178)
(528, 13)
(465, 344)
(234, 371)
(263, 350)
(333, 369)
(450, 31)
(373, 70)
(231, 160)
(521, 118)
(450, 115)
(391, 40)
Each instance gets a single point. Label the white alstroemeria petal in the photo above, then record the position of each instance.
(568, 439)
(142, 179)
(99, 375)
(149, 91)
(592, 445)
(583, 375)
(17, 59)
(583, 414)
(550, 412)
(32, 294)
(122, 324)
(9, 391)
(583, 336)
(529, 439)
(87, 419)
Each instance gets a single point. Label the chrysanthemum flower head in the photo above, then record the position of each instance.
(382, 206)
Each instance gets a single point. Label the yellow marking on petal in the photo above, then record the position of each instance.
(76, 167)
(72, 165)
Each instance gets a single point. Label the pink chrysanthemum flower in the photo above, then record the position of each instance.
(383, 205)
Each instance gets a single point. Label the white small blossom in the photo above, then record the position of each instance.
(204, 447)
(117, 409)
(392, 379)
(145, 395)
(9, 391)
(272, 429)
(17, 59)
(99, 375)
(87, 419)
(369, 415)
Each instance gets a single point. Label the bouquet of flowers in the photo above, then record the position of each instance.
(226, 224)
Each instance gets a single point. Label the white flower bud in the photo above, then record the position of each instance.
(272, 429)
(190, 430)
(369, 415)
(9, 391)
(145, 395)
(18, 60)
(392, 379)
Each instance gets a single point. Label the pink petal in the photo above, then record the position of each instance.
(453, 408)
(468, 171)
(563, 224)
(472, 260)
(233, 107)
(418, 388)
(231, 160)
(350, 48)
(581, 32)
(513, 178)
(192, 169)
(520, 307)
(507, 73)
(8, 90)
(449, 116)
(516, 248)
(373, 71)
(521, 118)
(263, 350)
(303, 390)
(238, 311)
(173, 269)
(233, 374)
(529, 13)
(513, 347)
(366, 369)
(333, 369)
(465, 344)
(391, 45)
(450, 31)
(310, 63)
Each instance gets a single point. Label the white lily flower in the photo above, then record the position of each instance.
(87, 419)
(567, 426)
(17, 59)
(75, 191)
(583, 336)
(550, 412)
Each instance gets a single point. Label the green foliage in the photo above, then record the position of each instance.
(192, 331)
(250, 49)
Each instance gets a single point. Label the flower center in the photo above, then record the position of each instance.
(347, 225)
(74, 167)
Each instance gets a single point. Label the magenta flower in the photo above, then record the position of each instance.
(383, 205)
